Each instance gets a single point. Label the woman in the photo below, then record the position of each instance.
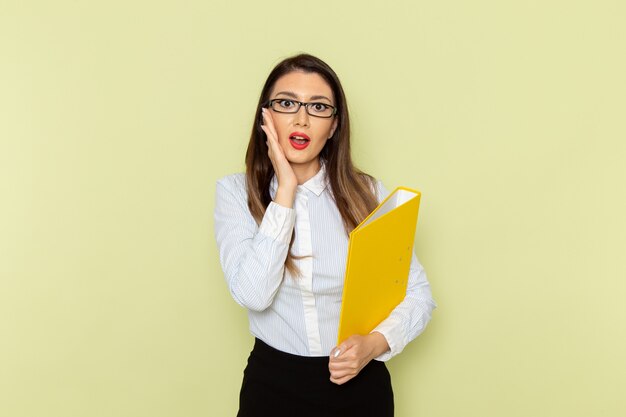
(282, 232)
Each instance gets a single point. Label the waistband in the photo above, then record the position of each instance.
(265, 351)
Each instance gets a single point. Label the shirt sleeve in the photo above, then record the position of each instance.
(411, 316)
(252, 257)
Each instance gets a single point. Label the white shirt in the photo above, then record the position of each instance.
(300, 315)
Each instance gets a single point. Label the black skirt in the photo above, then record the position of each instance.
(277, 384)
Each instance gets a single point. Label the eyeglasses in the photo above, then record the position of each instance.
(316, 109)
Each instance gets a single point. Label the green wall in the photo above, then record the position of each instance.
(117, 117)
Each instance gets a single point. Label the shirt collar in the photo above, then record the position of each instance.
(316, 184)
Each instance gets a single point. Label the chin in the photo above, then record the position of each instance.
(298, 156)
(299, 161)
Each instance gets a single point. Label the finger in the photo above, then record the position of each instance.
(275, 149)
(341, 375)
(341, 381)
(264, 129)
(338, 366)
(268, 132)
(271, 142)
(343, 351)
(268, 140)
(338, 351)
(268, 118)
(349, 343)
(341, 365)
(341, 372)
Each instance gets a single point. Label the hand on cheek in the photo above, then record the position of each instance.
(284, 173)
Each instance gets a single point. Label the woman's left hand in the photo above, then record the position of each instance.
(353, 354)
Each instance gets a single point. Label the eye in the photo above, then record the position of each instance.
(286, 104)
(319, 107)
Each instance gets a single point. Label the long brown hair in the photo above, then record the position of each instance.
(352, 189)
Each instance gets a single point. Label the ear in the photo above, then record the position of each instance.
(333, 127)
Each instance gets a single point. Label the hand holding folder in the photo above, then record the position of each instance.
(379, 258)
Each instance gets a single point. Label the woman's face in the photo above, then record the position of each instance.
(302, 136)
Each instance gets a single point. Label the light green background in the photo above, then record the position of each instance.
(117, 117)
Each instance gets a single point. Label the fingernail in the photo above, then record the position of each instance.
(337, 353)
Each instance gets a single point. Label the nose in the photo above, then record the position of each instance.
(301, 117)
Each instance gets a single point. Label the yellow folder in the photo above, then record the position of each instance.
(379, 258)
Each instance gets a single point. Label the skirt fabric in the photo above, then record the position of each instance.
(277, 384)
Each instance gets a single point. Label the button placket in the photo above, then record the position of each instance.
(305, 265)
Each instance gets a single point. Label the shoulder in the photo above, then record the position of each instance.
(232, 181)
(234, 184)
(381, 191)
(377, 187)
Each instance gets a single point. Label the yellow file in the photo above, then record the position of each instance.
(379, 258)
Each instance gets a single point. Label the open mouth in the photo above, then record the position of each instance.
(299, 140)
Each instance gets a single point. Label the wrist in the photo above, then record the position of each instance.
(285, 196)
(379, 343)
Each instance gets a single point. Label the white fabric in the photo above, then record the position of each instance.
(300, 315)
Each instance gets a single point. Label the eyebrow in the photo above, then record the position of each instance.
(294, 95)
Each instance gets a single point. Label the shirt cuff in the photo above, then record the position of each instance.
(278, 222)
(391, 330)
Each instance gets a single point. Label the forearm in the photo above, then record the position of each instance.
(411, 316)
(256, 274)
(261, 268)
(252, 257)
(379, 344)
(285, 195)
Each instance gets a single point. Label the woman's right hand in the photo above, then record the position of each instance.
(287, 180)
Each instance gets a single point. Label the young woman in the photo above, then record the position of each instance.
(282, 232)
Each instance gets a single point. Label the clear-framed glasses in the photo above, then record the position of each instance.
(316, 109)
